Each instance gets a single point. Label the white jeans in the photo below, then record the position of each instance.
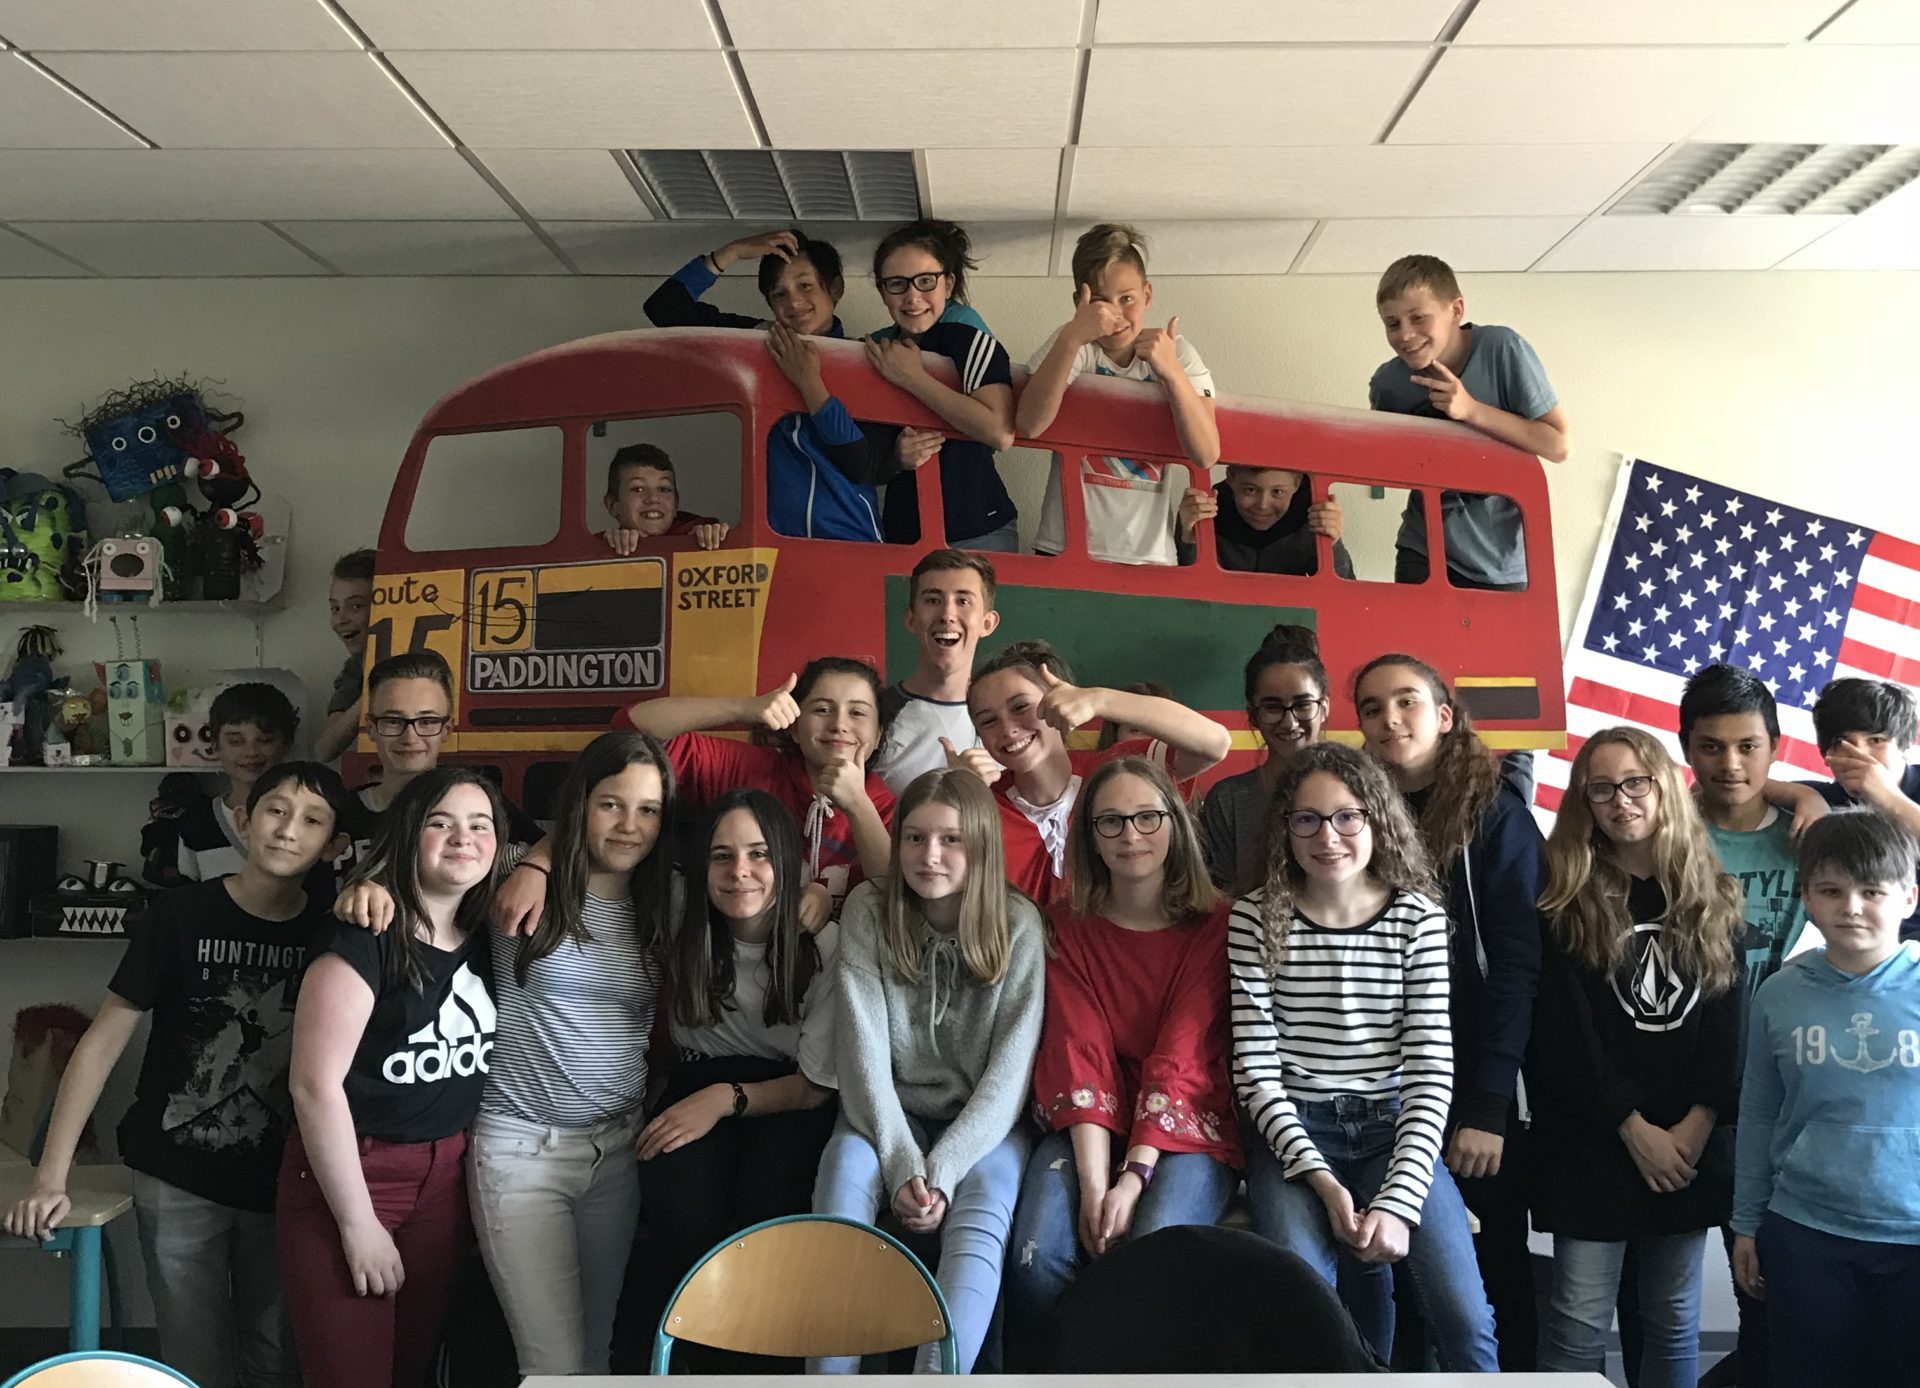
(215, 1282)
(555, 1210)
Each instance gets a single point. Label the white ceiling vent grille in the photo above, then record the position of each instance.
(1831, 180)
(758, 185)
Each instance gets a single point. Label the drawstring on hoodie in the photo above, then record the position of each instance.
(819, 811)
(937, 948)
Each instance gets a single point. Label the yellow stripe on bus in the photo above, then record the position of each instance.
(1248, 740)
(1496, 682)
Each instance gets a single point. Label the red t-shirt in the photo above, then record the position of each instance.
(707, 767)
(1029, 860)
(1136, 1034)
(684, 522)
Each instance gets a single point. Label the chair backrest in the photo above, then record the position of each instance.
(807, 1286)
(98, 1368)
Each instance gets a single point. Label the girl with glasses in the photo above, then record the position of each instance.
(1342, 1050)
(1286, 691)
(1130, 1083)
(1636, 1059)
(1480, 837)
(938, 996)
(920, 269)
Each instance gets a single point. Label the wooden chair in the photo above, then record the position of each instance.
(808, 1286)
(98, 1368)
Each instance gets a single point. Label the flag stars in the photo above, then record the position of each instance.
(1684, 535)
(1632, 561)
(1661, 613)
(1827, 554)
(1787, 542)
(1687, 600)
(1646, 587)
(1822, 659)
(1677, 639)
(1806, 631)
(1753, 596)
(1636, 627)
(1653, 481)
(1693, 496)
(1780, 646)
(1733, 505)
(1814, 527)
(1619, 602)
(1708, 520)
(1718, 650)
(1855, 539)
(1650, 653)
(1740, 637)
(1657, 549)
(1726, 612)
(1796, 673)
(1773, 516)
(1643, 522)
(1747, 532)
(1763, 556)
(1841, 578)
(1673, 573)
(1793, 607)
(1698, 559)
(1667, 508)
(1712, 585)
(1775, 582)
(1819, 592)
(1721, 544)
(1739, 572)
(1700, 625)
(1766, 621)
(1693, 664)
(1801, 568)
(1832, 617)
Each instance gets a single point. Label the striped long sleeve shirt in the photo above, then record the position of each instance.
(1361, 1011)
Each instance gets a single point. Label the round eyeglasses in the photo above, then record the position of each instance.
(1633, 787)
(1111, 826)
(925, 283)
(1305, 824)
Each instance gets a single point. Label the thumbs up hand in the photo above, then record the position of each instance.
(974, 759)
(1067, 706)
(1158, 347)
(776, 708)
(1094, 318)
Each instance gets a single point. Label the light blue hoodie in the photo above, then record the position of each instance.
(1830, 1110)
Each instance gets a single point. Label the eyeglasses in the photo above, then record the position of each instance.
(926, 284)
(1634, 788)
(1305, 824)
(1302, 710)
(393, 725)
(1111, 826)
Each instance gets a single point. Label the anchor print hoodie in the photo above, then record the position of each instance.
(1830, 1110)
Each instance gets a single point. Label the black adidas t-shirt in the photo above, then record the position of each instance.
(211, 1106)
(362, 821)
(422, 1060)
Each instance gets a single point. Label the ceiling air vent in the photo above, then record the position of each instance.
(1756, 180)
(760, 185)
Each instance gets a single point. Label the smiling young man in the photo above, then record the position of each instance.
(1263, 522)
(643, 497)
(949, 608)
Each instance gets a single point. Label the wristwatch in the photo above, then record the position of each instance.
(739, 1100)
(1140, 1169)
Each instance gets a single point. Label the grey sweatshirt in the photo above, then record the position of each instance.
(948, 1048)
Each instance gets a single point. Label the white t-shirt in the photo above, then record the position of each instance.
(914, 731)
(742, 1028)
(1131, 505)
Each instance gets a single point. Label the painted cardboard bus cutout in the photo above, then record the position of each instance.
(548, 633)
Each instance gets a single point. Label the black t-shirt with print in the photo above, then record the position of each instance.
(211, 1106)
(361, 821)
(422, 1061)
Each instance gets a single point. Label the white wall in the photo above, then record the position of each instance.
(1793, 385)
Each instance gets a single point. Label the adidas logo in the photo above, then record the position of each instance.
(454, 1045)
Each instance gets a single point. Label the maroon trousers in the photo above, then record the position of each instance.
(346, 1340)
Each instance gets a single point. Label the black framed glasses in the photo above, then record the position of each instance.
(1305, 824)
(1111, 826)
(395, 725)
(1302, 710)
(926, 283)
(1633, 787)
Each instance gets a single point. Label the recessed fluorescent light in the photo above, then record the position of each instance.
(761, 185)
(1771, 180)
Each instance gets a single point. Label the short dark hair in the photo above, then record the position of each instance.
(411, 665)
(257, 703)
(1864, 845)
(1411, 272)
(323, 781)
(947, 242)
(821, 254)
(1723, 689)
(942, 560)
(355, 566)
(637, 455)
(1855, 705)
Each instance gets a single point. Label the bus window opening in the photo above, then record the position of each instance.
(499, 489)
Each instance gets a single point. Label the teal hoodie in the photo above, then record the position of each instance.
(1830, 1110)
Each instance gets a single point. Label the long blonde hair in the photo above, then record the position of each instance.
(985, 936)
(1186, 889)
(1586, 895)
(1399, 862)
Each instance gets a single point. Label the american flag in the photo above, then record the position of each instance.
(1691, 572)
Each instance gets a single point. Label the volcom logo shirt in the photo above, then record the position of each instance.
(422, 1062)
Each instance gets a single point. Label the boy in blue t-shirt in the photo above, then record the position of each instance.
(1826, 1202)
(1487, 377)
(1866, 728)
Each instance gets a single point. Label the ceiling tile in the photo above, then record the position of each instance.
(1350, 181)
(1644, 21)
(1884, 237)
(578, 185)
(183, 184)
(660, 248)
(1685, 243)
(251, 100)
(21, 259)
(36, 114)
(1875, 21)
(514, 24)
(1819, 94)
(992, 184)
(1018, 98)
(190, 249)
(1282, 96)
(1204, 248)
(582, 100)
(170, 26)
(1366, 246)
(1543, 96)
(426, 248)
(1271, 21)
(902, 24)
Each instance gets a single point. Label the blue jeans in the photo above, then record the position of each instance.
(1355, 1136)
(1005, 540)
(973, 1238)
(1586, 1284)
(1187, 1188)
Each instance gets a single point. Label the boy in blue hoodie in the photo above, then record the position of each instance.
(822, 473)
(1826, 1205)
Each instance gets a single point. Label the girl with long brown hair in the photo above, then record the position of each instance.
(1636, 1056)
